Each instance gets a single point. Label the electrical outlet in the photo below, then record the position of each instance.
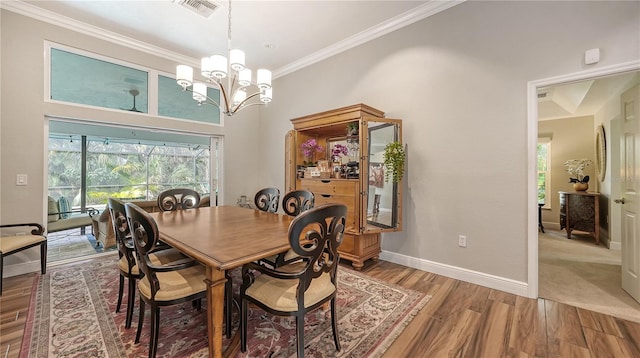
(462, 241)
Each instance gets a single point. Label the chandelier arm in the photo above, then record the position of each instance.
(238, 109)
(224, 96)
(209, 99)
(245, 101)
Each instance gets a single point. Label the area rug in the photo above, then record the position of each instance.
(72, 314)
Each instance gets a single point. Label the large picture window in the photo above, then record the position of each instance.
(125, 167)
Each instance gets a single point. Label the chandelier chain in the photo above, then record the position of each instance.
(229, 27)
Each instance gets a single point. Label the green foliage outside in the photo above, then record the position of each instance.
(125, 170)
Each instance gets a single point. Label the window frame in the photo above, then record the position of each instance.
(546, 141)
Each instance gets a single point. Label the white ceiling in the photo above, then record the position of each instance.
(278, 35)
(583, 98)
(282, 36)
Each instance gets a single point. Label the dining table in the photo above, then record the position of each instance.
(223, 238)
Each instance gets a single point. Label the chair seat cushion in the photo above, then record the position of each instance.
(176, 284)
(280, 294)
(162, 257)
(11, 243)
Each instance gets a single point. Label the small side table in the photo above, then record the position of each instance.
(540, 227)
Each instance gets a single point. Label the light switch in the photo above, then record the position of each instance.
(21, 179)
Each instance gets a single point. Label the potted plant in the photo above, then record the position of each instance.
(575, 168)
(309, 149)
(394, 157)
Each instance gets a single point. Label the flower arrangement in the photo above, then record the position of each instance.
(338, 151)
(575, 168)
(309, 149)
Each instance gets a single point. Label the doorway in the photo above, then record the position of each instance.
(536, 270)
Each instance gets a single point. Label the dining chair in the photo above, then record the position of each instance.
(12, 244)
(302, 286)
(127, 263)
(161, 285)
(293, 203)
(178, 198)
(267, 199)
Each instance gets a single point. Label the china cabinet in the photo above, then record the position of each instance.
(355, 178)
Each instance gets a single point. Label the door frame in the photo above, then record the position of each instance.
(532, 140)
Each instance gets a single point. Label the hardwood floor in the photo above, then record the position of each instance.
(461, 320)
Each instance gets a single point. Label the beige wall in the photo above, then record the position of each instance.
(457, 79)
(572, 138)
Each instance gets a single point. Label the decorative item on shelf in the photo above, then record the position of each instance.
(575, 168)
(353, 131)
(394, 157)
(216, 68)
(309, 149)
(324, 168)
(337, 152)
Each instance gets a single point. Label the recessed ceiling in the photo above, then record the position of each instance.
(584, 98)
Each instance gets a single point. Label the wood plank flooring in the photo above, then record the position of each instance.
(461, 320)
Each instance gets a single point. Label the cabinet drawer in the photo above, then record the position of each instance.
(348, 201)
(330, 187)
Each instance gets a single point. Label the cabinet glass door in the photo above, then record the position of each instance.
(382, 201)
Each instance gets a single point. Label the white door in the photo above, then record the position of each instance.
(630, 185)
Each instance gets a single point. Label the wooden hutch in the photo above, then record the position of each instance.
(374, 206)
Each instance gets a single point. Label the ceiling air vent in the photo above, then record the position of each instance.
(203, 8)
(542, 95)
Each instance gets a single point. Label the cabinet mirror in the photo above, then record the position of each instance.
(382, 202)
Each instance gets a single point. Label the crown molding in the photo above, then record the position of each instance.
(414, 15)
(53, 18)
(421, 12)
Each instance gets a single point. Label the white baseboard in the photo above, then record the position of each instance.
(21, 268)
(495, 282)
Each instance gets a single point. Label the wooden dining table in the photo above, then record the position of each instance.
(223, 238)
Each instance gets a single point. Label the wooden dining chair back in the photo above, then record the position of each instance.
(267, 199)
(178, 198)
(162, 284)
(127, 264)
(12, 244)
(293, 203)
(302, 286)
(297, 201)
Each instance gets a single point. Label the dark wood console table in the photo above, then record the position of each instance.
(580, 210)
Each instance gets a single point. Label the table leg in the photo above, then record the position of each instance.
(215, 309)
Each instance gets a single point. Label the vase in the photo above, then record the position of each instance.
(580, 186)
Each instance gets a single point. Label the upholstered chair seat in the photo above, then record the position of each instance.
(12, 244)
(175, 284)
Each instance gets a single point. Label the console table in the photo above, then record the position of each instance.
(580, 210)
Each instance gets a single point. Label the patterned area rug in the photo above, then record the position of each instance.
(72, 314)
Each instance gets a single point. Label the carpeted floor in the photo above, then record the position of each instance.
(72, 313)
(71, 244)
(579, 273)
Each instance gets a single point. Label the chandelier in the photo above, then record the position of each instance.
(215, 69)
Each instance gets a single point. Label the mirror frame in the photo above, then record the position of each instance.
(394, 189)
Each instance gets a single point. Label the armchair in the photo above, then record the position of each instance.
(11, 244)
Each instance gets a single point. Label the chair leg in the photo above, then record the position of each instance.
(131, 299)
(155, 328)
(334, 324)
(243, 325)
(300, 335)
(1, 269)
(43, 257)
(120, 291)
(228, 304)
(140, 320)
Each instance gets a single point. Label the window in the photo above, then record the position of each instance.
(544, 175)
(84, 78)
(129, 164)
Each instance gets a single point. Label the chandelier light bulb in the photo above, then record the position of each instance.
(184, 76)
(236, 60)
(244, 77)
(199, 92)
(218, 66)
(266, 95)
(264, 79)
